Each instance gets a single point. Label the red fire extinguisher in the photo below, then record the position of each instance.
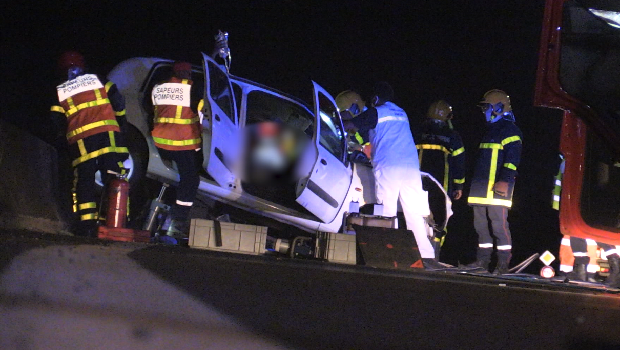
(118, 196)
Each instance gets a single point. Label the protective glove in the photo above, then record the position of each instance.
(501, 188)
(349, 127)
(346, 115)
(457, 194)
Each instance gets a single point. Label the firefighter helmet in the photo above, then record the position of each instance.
(70, 59)
(440, 110)
(494, 97)
(351, 101)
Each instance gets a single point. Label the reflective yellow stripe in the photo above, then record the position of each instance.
(459, 181)
(201, 104)
(89, 205)
(92, 155)
(177, 120)
(176, 142)
(359, 138)
(58, 109)
(81, 147)
(88, 217)
(177, 114)
(85, 105)
(510, 166)
(446, 171)
(70, 102)
(510, 139)
(435, 147)
(112, 139)
(492, 171)
(108, 86)
(489, 201)
(91, 126)
(458, 151)
(97, 94)
(122, 167)
(120, 113)
(491, 145)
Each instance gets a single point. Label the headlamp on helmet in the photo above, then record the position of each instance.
(440, 110)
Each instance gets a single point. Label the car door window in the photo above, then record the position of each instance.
(220, 90)
(331, 133)
(262, 107)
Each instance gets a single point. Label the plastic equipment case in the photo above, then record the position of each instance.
(227, 236)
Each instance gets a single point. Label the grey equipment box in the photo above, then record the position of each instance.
(341, 248)
(230, 237)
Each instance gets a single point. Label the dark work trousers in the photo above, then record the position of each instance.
(85, 186)
(579, 246)
(498, 216)
(188, 162)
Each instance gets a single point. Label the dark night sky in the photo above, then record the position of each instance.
(451, 49)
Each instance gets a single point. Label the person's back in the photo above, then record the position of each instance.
(391, 140)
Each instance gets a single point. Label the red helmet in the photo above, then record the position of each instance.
(70, 59)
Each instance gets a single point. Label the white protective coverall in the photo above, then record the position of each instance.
(397, 172)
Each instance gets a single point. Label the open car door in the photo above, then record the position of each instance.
(221, 120)
(324, 189)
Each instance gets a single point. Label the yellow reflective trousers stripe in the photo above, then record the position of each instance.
(97, 153)
(89, 205)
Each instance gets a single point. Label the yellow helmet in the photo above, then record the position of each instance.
(351, 101)
(496, 96)
(440, 110)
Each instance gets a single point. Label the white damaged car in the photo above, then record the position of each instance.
(322, 181)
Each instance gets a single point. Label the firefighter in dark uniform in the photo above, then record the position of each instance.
(442, 154)
(177, 135)
(91, 110)
(358, 145)
(493, 182)
(579, 247)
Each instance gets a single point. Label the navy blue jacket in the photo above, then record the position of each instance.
(499, 156)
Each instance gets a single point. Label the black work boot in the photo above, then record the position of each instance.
(178, 231)
(501, 268)
(88, 228)
(614, 271)
(579, 273)
(483, 259)
(503, 262)
(580, 269)
(480, 266)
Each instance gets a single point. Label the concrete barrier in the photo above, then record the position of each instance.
(33, 192)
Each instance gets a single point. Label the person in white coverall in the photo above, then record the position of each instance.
(395, 165)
